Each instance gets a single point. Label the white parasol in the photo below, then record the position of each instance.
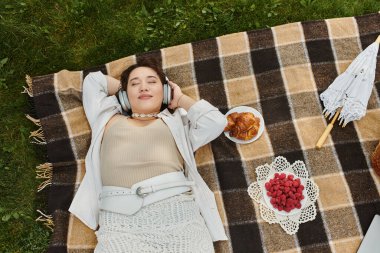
(347, 97)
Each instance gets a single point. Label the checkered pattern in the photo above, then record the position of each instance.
(279, 71)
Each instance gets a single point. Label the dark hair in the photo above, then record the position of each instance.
(143, 62)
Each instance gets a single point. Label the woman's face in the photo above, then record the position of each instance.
(145, 90)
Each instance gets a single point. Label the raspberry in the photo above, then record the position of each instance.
(285, 192)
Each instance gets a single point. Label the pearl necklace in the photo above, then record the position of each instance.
(143, 115)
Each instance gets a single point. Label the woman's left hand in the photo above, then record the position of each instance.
(176, 94)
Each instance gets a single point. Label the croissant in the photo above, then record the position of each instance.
(231, 121)
(243, 126)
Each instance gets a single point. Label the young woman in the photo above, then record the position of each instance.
(142, 190)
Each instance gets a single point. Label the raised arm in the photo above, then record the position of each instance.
(206, 123)
(113, 85)
(96, 98)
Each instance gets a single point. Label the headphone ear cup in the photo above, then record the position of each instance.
(167, 93)
(124, 102)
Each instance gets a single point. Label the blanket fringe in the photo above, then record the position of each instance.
(46, 219)
(29, 89)
(37, 136)
(35, 121)
(44, 171)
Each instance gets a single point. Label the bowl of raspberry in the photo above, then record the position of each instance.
(284, 193)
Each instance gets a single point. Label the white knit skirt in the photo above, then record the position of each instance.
(170, 225)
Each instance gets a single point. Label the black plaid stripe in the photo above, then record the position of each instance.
(353, 161)
(363, 188)
(101, 68)
(282, 133)
(274, 104)
(351, 156)
(315, 30)
(44, 98)
(366, 25)
(63, 185)
(346, 140)
(57, 137)
(312, 232)
(205, 50)
(275, 110)
(263, 52)
(66, 153)
(320, 53)
(246, 238)
(206, 61)
(156, 54)
(59, 238)
(366, 212)
(270, 84)
(228, 163)
(344, 135)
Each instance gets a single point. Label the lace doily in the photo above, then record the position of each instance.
(288, 221)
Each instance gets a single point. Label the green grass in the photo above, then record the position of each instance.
(41, 37)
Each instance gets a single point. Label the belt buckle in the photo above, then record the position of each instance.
(140, 193)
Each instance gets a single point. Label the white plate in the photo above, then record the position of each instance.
(256, 113)
(267, 198)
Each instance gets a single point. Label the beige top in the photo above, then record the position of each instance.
(130, 154)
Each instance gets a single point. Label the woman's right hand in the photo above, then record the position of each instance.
(179, 99)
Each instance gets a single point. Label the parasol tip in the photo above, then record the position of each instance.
(378, 39)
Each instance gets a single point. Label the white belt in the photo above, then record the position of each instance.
(130, 200)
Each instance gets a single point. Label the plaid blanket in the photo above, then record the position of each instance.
(280, 71)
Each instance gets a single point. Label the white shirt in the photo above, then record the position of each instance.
(191, 130)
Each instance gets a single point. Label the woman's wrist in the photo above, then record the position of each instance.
(179, 99)
(185, 102)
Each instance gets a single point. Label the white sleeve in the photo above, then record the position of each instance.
(206, 123)
(95, 96)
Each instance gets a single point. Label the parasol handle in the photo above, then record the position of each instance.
(378, 39)
(327, 131)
